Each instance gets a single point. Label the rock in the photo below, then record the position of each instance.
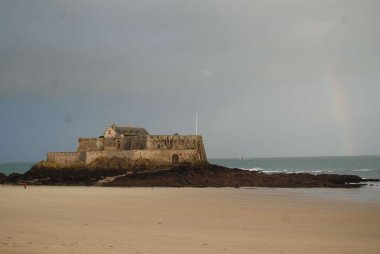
(143, 173)
(46, 164)
(68, 176)
(13, 178)
(207, 175)
(2, 177)
(126, 164)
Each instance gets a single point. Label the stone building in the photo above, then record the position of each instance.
(134, 143)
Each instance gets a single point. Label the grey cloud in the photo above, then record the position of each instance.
(259, 69)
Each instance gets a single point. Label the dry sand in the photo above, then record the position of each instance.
(182, 220)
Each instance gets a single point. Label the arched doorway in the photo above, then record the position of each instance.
(175, 159)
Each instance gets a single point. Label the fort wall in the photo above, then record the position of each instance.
(172, 142)
(160, 149)
(89, 144)
(167, 156)
(91, 156)
(155, 156)
(65, 158)
(137, 142)
(111, 144)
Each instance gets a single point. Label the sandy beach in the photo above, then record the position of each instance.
(183, 220)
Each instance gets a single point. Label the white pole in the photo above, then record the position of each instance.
(196, 123)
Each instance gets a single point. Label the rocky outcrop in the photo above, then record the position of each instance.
(51, 173)
(207, 175)
(119, 172)
(2, 177)
(67, 176)
(105, 163)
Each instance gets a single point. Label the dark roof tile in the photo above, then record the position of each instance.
(130, 131)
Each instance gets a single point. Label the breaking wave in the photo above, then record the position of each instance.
(253, 169)
(363, 170)
(286, 171)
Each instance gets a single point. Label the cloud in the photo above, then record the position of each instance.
(206, 74)
(151, 60)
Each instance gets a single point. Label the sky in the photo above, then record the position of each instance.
(268, 78)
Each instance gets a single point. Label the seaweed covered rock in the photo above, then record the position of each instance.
(144, 173)
(208, 175)
(13, 178)
(50, 173)
(68, 176)
(2, 177)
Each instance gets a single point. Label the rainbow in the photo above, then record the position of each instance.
(339, 101)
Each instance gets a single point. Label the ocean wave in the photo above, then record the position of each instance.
(252, 169)
(308, 171)
(286, 171)
(362, 170)
(275, 171)
(266, 170)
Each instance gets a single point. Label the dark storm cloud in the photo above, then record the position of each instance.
(259, 73)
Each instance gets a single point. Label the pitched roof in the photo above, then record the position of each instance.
(130, 131)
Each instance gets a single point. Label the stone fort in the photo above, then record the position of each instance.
(134, 143)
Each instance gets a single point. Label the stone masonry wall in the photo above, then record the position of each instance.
(155, 142)
(201, 149)
(156, 156)
(151, 142)
(166, 156)
(91, 156)
(111, 144)
(177, 142)
(89, 144)
(156, 148)
(136, 142)
(65, 158)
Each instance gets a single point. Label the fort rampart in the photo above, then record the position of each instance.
(65, 158)
(159, 149)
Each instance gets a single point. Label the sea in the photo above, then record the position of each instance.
(367, 167)
(8, 168)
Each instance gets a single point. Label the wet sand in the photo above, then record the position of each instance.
(183, 220)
